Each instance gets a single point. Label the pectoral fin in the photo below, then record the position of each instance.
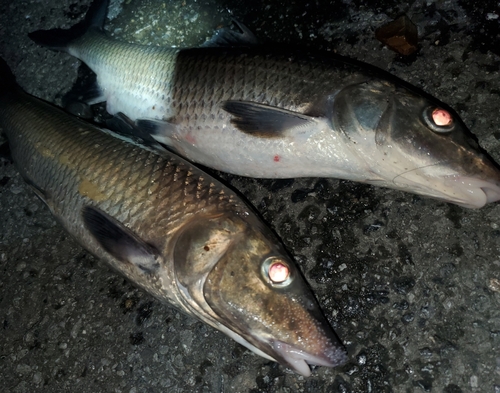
(120, 241)
(266, 121)
(143, 131)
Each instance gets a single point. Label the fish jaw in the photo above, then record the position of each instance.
(299, 360)
(476, 192)
(222, 268)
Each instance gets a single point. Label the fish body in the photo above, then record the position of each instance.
(170, 228)
(266, 112)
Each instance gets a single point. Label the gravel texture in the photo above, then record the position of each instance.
(411, 285)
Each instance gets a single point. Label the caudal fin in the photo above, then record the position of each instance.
(59, 39)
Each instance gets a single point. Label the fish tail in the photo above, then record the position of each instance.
(60, 39)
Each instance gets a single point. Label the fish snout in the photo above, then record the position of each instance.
(476, 192)
(332, 354)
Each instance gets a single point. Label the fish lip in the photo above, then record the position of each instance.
(479, 192)
(299, 360)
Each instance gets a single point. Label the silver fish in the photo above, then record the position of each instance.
(263, 112)
(171, 229)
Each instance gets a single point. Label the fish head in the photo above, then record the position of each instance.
(234, 275)
(417, 144)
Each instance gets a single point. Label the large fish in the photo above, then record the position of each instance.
(171, 229)
(263, 112)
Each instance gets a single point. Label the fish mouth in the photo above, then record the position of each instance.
(299, 360)
(471, 191)
(475, 192)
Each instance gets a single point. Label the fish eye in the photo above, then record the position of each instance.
(439, 120)
(276, 271)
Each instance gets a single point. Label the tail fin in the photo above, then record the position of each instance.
(59, 39)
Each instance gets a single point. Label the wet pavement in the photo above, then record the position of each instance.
(411, 285)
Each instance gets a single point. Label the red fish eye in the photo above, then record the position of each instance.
(278, 272)
(442, 117)
(438, 120)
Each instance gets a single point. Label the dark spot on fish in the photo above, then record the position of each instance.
(206, 248)
(144, 312)
(5, 324)
(232, 273)
(28, 212)
(497, 134)
(154, 107)
(137, 338)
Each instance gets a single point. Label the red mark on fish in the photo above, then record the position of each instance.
(276, 158)
(191, 139)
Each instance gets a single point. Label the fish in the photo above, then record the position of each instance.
(170, 228)
(269, 112)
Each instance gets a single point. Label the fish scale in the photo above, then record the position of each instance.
(170, 228)
(275, 112)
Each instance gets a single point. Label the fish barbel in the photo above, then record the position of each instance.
(170, 228)
(266, 112)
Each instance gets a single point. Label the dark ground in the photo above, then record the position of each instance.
(411, 285)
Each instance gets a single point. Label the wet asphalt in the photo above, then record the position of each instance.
(411, 285)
